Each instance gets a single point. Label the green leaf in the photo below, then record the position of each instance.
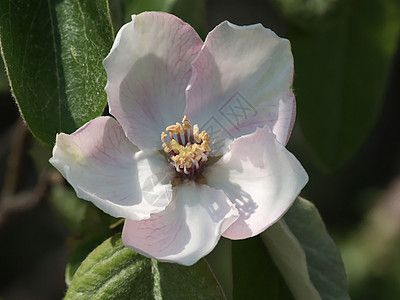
(255, 275)
(306, 255)
(53, 52)
(291, 261)
(341, 73)
(113, 271)
(80, 253)
(220, 262)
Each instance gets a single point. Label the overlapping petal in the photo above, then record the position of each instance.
(148, 69)
(242, 80)
(238, 89)
(187, 230)
(105, 168)
(261, 178)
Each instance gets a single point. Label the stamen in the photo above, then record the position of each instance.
(179, 138)
(175, 129)
(195, 133)
(186, 136)
(189, 155)
(185, 120)
(204, 136)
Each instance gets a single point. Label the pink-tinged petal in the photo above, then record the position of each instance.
(241, 80)
(187, 230)
(104, 167)
(261, 178)
(148, 69)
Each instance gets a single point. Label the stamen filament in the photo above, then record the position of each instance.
(186, 137)
(179, 138)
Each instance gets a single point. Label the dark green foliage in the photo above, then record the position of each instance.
(53, 52)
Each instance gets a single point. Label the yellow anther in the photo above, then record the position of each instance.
(197, 148)
(171, 128)
(176, 146)
(189, 154)
(167, 147)
(187, 126)
(186, 123)
(179, 126)
(181, 161)
(196, 133)
(205, 146)
(185, 120)
(175, 129)
(204, 136)
(188, 163)
(196, 129)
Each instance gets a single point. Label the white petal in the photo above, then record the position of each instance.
(104, 167)
(261, 178)
(187, 230)
(242, 80)
(148, 70)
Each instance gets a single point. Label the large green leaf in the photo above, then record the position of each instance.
(306, 255)
(53, 52)
(341, 73)
(255, 275)
(291, 261)
(220, 261)
(113, 271)
(81, 251)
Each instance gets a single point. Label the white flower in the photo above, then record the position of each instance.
(229, 174)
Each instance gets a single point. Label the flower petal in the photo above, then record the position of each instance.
(243, 75)
(187, 230)
(261, 178)
(104, 167)
(148, 69)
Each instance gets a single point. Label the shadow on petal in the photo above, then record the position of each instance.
(187, 230)
(149, 100)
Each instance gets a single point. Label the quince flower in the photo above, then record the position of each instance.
(196, 149)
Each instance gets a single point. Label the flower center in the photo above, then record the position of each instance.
(188, 149)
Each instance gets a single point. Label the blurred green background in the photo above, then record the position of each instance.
(347, 73)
